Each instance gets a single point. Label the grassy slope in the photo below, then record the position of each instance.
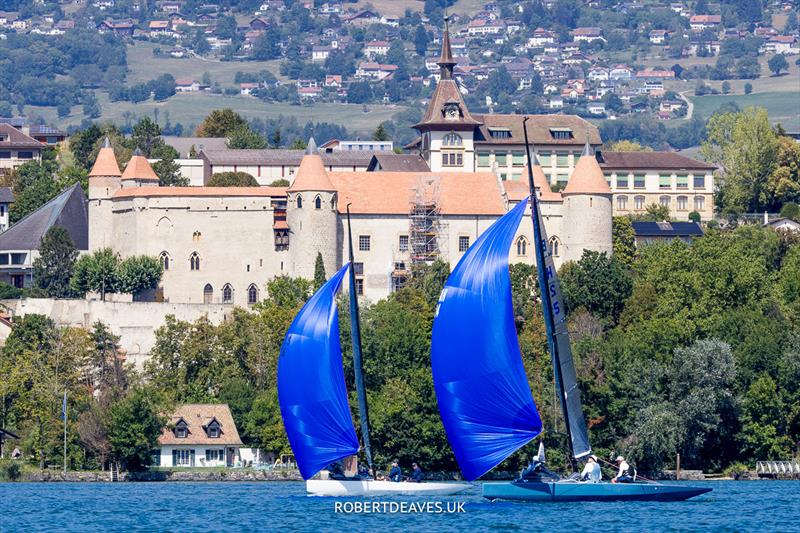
(398, 7)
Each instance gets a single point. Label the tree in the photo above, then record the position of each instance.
(163, 87)
(319, 272)
(267, 46)
(138, 274)
(653, 213)
(135, 428)
(282, 182)
(791, 210)
(169, 173)
(783, 185)
(744, 145)
(748, 88)
(52, 270)
(421, 40)
(232, 179)
(91, 107)
(628, 146)
(777, 63)
(624, 242)
(380, 133)
(82, 143)
(33, 186)
(146, 136)
(244, 137)
(96, 272)
(726, 87)
(598, 283)
(220, 123)
(694, 216)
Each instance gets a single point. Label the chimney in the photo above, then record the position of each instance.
(26, 129)
(766, 218)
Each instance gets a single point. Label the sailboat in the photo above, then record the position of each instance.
(313, 398)
(485, 402)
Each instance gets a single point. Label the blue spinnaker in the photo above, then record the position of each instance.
(311, 387)
(484, 398)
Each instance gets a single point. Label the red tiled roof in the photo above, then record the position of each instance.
(197, 416)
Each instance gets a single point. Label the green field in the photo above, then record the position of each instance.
(783, 107)
(143, 66)
(190, 109)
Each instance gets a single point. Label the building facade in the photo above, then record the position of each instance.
(200, 435)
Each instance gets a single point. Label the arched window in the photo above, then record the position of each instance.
(555, 244)
(622, 202)
(227, 294)
(299, 202)
(452, 139)
(208, 294)
(638, 202)
(194, 261)
(683, 203)
(699, 203)
(522, 246)
(663, 200)
(164, 259)
(317, 202)
(252, 294)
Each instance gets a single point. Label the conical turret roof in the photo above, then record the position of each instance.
(106, 162)
(139, 169)
(587, 178)
(311, 175)
(540, 182)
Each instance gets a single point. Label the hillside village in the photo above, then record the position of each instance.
(530, 57)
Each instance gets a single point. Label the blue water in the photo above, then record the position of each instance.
(764, 506)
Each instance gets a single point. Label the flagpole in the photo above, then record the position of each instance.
(64, 416)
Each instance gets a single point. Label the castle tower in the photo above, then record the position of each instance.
(587, 209)
(447, 129)
(104, 181)
(312, 215)
(138, 172)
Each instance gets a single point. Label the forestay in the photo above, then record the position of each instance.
(311, 386)
(484, 398)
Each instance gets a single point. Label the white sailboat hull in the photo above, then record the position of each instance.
(334, 487)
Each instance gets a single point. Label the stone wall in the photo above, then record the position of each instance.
(134, 322)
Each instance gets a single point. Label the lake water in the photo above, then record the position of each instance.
(765, 506)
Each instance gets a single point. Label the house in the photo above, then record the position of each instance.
(319, 53)
(375, 71)
(246, 89)
(259, 23)
(363, 18)
(333, 80)
(6, 199)
(703, 22)
(655, 74)
(17, 147)
(47, 134)
(200, 435)
(541, 37)
(782, 44)
(159, 28)
(598, 74)
(330, 8)
(186, 85)
(481, 27)
(556, 102)
(596, 108)
(620, 73)
(376, 48)
(783, 224)
(19, 244)
(658, 36)
(309, 92)
(588, 34)
(336, 145)
(645, 233)
(123, 27)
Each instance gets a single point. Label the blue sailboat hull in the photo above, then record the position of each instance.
(571, 491)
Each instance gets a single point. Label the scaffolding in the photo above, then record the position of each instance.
(425, 221)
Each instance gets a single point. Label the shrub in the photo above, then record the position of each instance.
(791, 210)
(10, 471)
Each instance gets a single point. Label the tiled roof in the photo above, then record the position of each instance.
(517, 190)
(139, 169)
(587, 178)
(6, 195)
(391, 193)
(540, 129)
(284, 157)
(17, 139)
(651, 160)
(183, 145)
(196, 417)
(106, 163)
(446, 92)
(68, 209)
(391, 162)
(153, 191)
(311, 175)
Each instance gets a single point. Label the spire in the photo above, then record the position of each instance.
(106, 163)
(587, 178)
(587, 148)
(540, 183)
(446, 62)
(311, 147)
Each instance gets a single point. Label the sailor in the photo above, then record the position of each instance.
(417, 475)
(335, 471)
(591, 472)
(395, 474)
(626, 472)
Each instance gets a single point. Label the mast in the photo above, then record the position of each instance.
(549, 320)
(355, 335)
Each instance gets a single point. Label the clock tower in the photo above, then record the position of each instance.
(447, 130)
